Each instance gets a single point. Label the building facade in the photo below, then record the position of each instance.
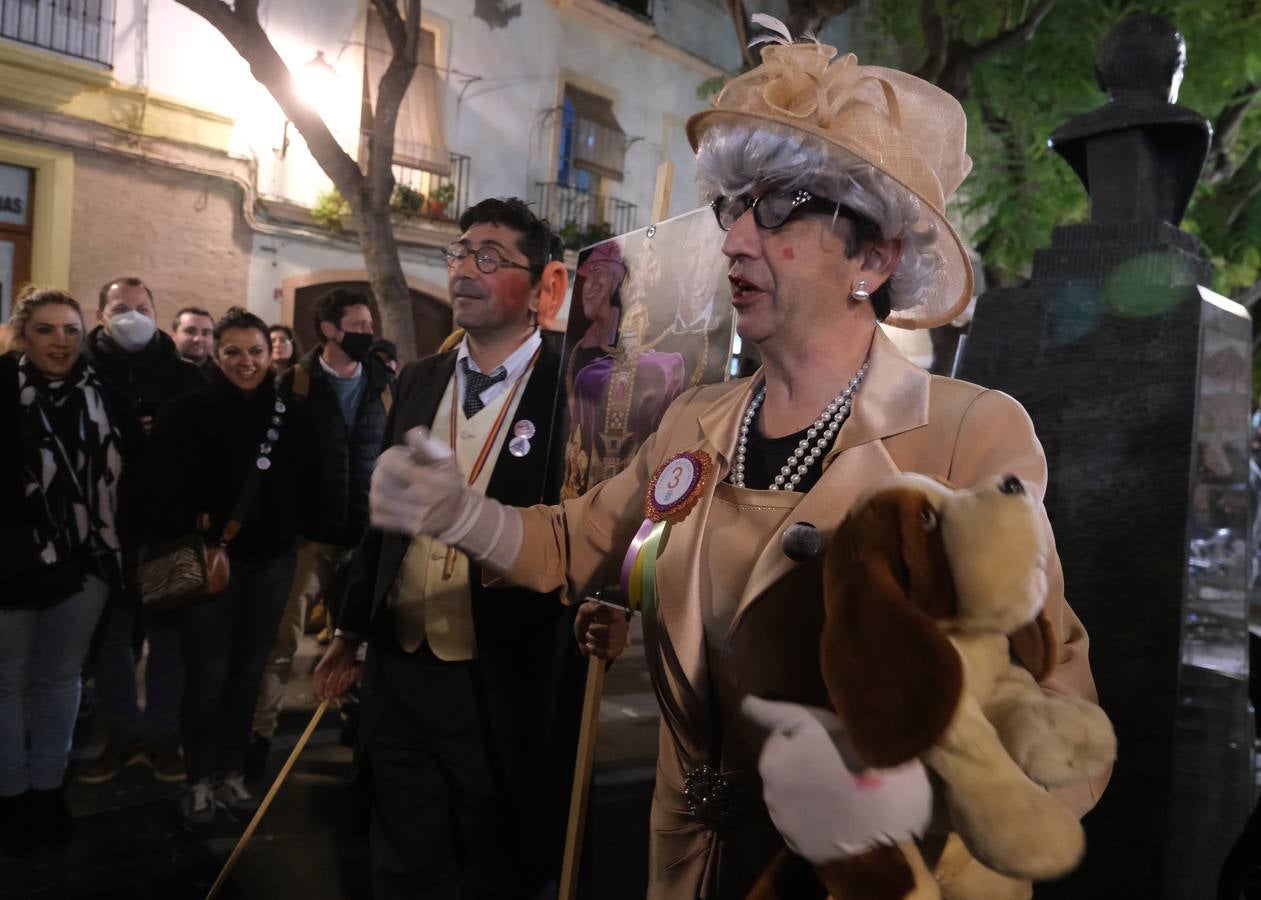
(135, 141)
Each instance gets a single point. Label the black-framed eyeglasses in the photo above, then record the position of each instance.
(770, 210)
(488, 260)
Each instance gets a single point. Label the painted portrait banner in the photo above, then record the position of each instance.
(650, 317)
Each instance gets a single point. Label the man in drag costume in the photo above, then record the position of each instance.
(830, 179)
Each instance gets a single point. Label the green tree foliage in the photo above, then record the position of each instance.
(1018, 95)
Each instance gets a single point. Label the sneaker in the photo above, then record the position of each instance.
(233, 794)
(164, 757)
(256, 753)
(198, 804)
(113, 758)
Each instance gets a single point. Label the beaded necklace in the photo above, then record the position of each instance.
(820, 434)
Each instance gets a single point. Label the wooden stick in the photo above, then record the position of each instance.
(262, 807)
(582, 779)
(661, 191)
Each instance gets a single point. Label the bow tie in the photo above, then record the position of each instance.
(475, 383)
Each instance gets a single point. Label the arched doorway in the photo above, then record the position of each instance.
(431, 316)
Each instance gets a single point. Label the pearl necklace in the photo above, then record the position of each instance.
(820, 434)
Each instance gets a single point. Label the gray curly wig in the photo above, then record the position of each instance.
(735, 158)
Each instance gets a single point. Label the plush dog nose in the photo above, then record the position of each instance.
(1011, 485)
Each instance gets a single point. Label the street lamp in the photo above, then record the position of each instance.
(317, 81)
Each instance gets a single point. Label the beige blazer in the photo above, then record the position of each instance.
(904, 419)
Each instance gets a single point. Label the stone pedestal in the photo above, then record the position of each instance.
(1137, 379)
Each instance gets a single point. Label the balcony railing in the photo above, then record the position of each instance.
(429, 195)
(582, 217)
(83, 29)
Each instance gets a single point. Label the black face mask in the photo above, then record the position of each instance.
(356, 344)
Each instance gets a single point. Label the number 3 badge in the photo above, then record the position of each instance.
(673, 491)
(677, 485)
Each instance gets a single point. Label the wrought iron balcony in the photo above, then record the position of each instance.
(582, 217)
(431, 195)
(83, 29)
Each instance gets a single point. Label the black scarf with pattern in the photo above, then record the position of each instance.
(71, 463)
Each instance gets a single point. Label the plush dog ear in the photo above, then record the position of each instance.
(893, 676)
(1036, 646)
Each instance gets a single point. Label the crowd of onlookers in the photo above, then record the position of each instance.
(123, 439)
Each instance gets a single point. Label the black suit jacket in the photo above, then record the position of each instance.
(529, 670)
(516, 481)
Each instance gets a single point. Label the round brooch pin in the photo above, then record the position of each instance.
(677, 485)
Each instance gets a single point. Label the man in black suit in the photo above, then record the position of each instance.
(471, 696)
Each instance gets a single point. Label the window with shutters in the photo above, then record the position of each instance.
(592, 143)
(591, 157)
(432, 182)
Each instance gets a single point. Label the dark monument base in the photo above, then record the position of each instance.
(1138, 381)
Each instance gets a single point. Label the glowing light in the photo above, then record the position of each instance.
(318, 81)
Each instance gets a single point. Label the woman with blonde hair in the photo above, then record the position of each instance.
(61, 459)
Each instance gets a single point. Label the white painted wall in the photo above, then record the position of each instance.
(501, 87)
(274, 259)
(502, 121)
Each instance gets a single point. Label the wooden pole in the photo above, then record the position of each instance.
(583, 765)
(661, 192)
(582, 779)
(262, 807)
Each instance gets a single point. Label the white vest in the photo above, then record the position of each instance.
(431, 600)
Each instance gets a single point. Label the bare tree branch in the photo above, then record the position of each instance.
(934, 41)
(1013, 36)
(1219, 166)
(368, 195)
(395, 27)
(241, 28)
(1251, 295)
(950, 63)
(1242, 204)
(405, 36)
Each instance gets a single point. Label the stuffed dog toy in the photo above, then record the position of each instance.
(928, 591)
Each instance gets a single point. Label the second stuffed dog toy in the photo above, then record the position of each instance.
(928, 589)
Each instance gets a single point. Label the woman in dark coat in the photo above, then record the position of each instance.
(61, 459)
(235, 450)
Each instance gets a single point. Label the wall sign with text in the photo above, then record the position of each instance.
(15, 192)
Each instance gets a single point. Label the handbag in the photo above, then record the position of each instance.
(180, 572)
(189, 569)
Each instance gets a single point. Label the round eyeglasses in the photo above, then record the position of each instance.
(488, 260)
(770, 210)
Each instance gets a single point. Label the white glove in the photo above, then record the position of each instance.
(824, 803)
(417, 488)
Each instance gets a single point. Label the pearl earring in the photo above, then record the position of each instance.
(860, 293)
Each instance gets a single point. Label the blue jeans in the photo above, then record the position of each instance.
(41, 656)
(115, 673)
(226, 641)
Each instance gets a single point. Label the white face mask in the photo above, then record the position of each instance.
(131, 330)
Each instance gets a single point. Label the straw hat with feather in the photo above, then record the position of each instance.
(910, 130)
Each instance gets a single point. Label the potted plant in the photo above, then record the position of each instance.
(406, 200)
(439, 197)
(330, 210)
